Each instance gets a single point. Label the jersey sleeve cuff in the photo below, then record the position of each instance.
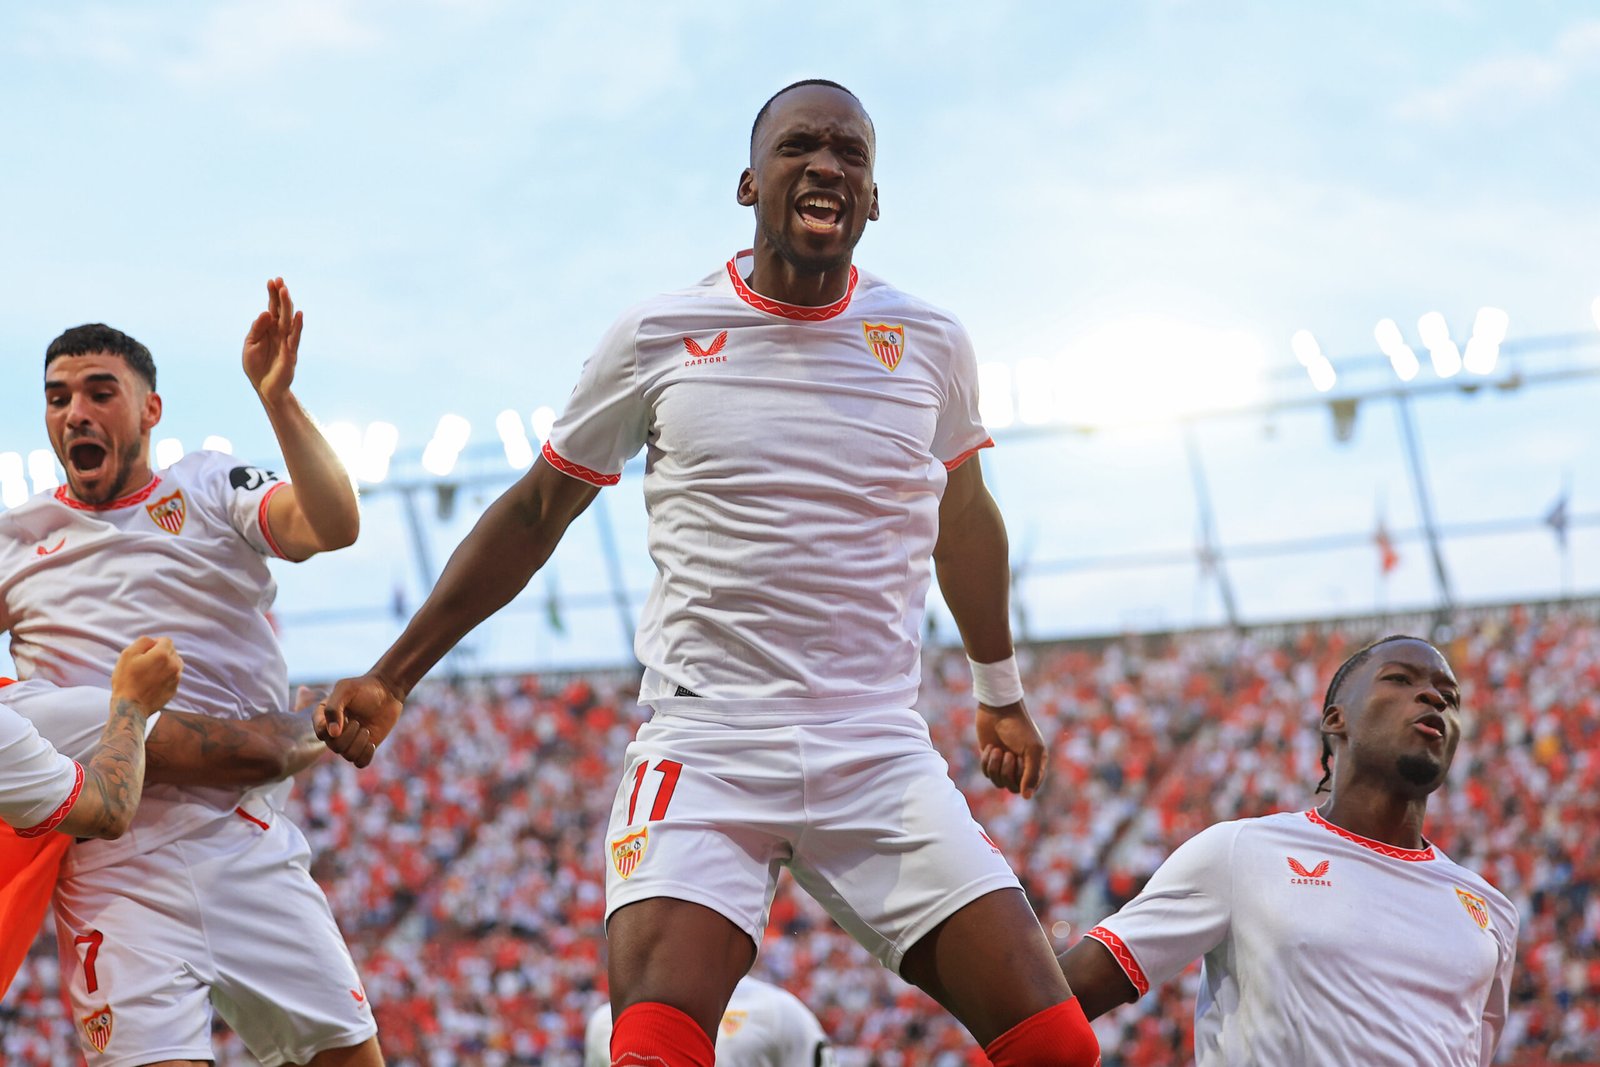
(952, 464)
(1119, 952)
(577, 470)
(62, 811)
(261, 517)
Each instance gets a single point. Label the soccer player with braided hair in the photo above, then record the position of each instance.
(1338, 934)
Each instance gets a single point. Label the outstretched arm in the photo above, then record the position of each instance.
(317, 511)
(145, 677)
(189, 749)
(971, 557)
(1096, 979)
(508, 545)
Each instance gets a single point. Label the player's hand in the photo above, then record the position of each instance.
(147, 673)
(272, 347)
(1011, 749)
(357, 716)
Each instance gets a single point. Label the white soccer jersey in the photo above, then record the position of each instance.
(1323, 947)
(38, 785)
(183, 558)
(764, 1026)
(795, 461)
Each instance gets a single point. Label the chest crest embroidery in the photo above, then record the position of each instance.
(169, 512)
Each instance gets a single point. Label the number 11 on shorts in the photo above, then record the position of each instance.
(669, 770)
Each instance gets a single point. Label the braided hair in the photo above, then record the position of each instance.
(1361, 656)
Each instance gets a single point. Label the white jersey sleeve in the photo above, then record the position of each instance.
(71, 718)
(1182, 914)
(606, 419)
(959, 433)
(38, 785)
(242, 493)
(1498, 1003)
(597, 1038)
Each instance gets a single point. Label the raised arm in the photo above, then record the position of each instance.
(145, 678)
(508, 545)
(317, 511)
(971, 558)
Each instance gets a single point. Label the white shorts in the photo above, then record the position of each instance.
(861, 809)
(228, 916)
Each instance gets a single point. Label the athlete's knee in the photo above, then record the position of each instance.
(650, 1034)
(1056, 1037)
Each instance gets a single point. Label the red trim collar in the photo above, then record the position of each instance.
(1394, 852)
(778, 307)
(65, 497)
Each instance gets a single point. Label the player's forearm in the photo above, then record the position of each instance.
(1096, 979)
(321, 483)
(113, 776)
(189, 749)
(974, 569)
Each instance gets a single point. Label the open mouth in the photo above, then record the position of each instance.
(1430, 725)
(87, 457)
(820, 212)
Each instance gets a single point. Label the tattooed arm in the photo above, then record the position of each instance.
(189, 749)
(145, 678)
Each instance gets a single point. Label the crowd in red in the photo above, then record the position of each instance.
(465, 865)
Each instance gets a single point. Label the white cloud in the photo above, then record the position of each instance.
(1510, 82)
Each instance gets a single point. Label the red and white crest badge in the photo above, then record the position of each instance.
(888, 343)
(97, 1028)
(733, 1022)
(627, 851)
(169, 512)
(1476, 907)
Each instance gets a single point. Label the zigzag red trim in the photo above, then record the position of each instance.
(788, 311)
(582, 473)
(61, 812)
(65, 497)
(1394, 852)
(1124, 958)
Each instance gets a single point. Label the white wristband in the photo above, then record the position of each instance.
(996, 684)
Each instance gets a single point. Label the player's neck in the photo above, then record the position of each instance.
(777, 279)
(135, 481)
(1377, 814)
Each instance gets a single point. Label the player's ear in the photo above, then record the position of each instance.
(1333, 723)
(872, 212)
(747, 188)
(152, 412)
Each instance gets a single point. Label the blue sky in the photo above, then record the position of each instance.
(462, 193)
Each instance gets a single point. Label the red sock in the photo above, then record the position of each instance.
(655, 1035)
(1056, 1037)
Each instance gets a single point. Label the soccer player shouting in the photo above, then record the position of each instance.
(1337, 935)
(810, 433)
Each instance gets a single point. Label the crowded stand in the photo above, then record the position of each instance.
(465, 865)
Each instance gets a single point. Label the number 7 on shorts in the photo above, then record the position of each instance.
(669, 770)
(93, 938)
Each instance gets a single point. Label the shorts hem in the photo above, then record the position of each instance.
(947, 906)
(136, 1059)
(302, 1055)
(694, 895)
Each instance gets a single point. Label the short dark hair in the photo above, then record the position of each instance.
(94, 337)
(1361, 656)
(756, 125)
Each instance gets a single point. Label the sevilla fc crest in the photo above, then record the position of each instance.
(887, 342)
(169, 512)
(626, 852)
(97, 1028)
(733, 1022)
(1476, 907)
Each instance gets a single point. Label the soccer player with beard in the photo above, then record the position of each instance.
(1337, 934)
(207, 902)
(810, 433)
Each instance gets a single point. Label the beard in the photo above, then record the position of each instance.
(127, 461)
(1423, 771)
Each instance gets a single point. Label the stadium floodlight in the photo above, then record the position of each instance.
(519, 453)
(1483, 348)
(13, 486)
(1323, 376)
(1401, 356)
(541, 420)
(377, 448)
(217, 443)
(42, 470)
(168, 451)
(442, 451)
(1442, 351)
(1036, 389)
(1317, 365)
(996, 408)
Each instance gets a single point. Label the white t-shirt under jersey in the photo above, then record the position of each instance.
(38, 785)
(1322, 947)
(764, 1026)
(183, 558)
(795, 458)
